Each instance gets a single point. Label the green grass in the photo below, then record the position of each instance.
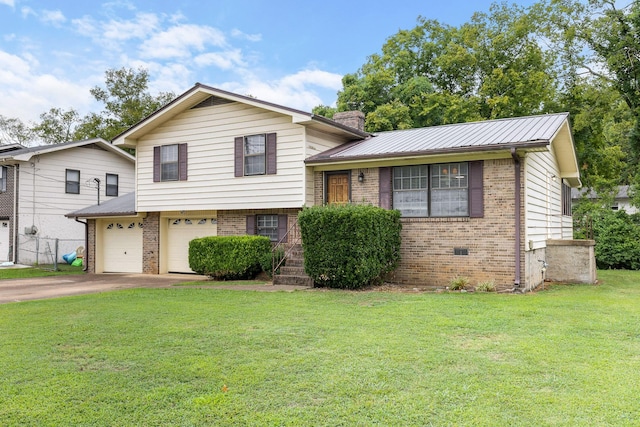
(39, 271)
(214, 283)
(568, 356)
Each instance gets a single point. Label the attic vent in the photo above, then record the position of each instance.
(212, 101)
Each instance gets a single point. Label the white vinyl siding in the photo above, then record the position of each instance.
(209, 133)
(317, 142)
(43, 201)
(543, 200)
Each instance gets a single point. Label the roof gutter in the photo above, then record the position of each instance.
(422, 153)
(518, 225)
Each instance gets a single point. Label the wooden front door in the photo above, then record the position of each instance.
(338, 188)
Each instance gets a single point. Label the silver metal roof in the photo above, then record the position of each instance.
(462, 136)
(120, 206)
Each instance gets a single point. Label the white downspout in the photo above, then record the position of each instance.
(15, 214)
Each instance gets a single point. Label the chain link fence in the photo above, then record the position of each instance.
(37, 250)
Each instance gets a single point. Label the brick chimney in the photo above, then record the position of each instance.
(354, 119)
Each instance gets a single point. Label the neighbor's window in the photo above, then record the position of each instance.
(267, 225)
(440, 190)
(254, 154)
(112, 185)
(72, 181)
(169, 162)
(566, 200)
(3, 179)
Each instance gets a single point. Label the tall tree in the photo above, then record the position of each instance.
(126, 101)
(56, 126)
(14, 131)
(488, 68)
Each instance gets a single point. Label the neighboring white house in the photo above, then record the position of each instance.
(621, 200)
(41, 184)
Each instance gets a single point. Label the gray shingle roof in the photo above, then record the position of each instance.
(473, 136)
(120, 206)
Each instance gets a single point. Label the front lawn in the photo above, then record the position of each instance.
(38, 271)
(567, 356)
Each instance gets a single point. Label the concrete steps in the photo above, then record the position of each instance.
(292, 273)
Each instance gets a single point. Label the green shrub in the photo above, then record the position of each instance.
(617, 237)
(486, 286)
(458, 283)
(349, 246)
(229, 257)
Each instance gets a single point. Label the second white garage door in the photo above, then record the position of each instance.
(122, 245)
(181, 232)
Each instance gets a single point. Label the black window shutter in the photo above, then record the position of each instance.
(182, 162)
(283, 227)
(156, 164)
(385, 187)
(271, 154)
(251, 224)
(476, 190)
(238, 152)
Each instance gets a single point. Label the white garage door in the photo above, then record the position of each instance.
(4, 241)
(122, 245)
(181, 232)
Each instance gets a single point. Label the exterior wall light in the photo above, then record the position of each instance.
(361, 177)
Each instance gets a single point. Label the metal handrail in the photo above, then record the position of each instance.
(292, 234)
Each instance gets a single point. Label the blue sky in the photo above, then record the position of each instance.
(292, 53)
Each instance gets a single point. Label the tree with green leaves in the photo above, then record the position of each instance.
(126, 101)
(489, 68)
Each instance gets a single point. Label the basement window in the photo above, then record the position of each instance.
(460, 251)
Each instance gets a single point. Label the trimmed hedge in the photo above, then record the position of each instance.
(229, 257)
(349, 246)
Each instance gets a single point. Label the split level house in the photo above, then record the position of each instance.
(488, 200)
(39, 185)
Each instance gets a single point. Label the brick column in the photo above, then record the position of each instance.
(151, 243)
(90, 250)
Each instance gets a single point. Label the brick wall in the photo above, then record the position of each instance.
(151, 243)
(90, 250)
(428, 244)
(234, 223)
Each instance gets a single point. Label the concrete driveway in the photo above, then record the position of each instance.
(16, 290)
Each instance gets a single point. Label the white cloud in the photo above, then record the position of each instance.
(251, 37)
(27, 11)
(27, 94)
(10, 3)
(141, 27)
(224, 60)
(302, 90)
(178, 41)
(54, 17)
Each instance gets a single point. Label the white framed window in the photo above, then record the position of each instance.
(111, 188)
(72, 181)
(410, 190)
(267, 225)
(449, 189)
(169, 162)
(254, 154)
(3, 179)
(439, 190)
